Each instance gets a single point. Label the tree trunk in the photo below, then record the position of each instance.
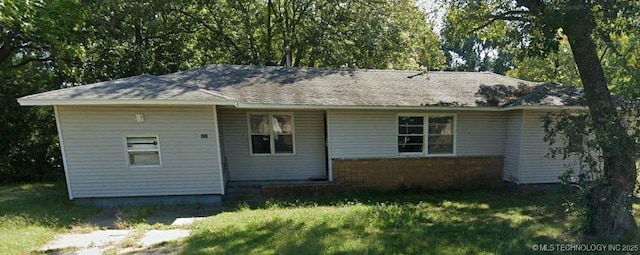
(269, 42)
(609, 203)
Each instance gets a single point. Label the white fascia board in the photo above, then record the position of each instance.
(41, 102)
(545, 107)
(44, 102)
(362, 107)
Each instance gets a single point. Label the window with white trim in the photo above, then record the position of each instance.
(271, 133)
(438, 131)
(410, 134)
(143, 151)
(440, 135)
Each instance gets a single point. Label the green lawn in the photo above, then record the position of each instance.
(445, 222)
(452, 222)
(32, 214)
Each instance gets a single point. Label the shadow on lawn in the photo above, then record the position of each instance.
(278, 236)
(41, 205)
(452, 222)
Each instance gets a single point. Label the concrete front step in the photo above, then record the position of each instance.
(243, 194)
(257, 191)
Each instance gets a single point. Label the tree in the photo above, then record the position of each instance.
(46, 45)
(128, 38)
(488, 49)
(557, 67)
(327, 33)
(541, 24)
(33, 43)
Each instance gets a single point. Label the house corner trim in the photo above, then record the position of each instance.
(62, 150)
(218, 144)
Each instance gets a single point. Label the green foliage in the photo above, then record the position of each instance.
(540, 52)
(541, 25)
(474, 41)
(621, 61)
(571, 139)
(46, 45)
(128, 38)
(29, 47)
(585, 169)
(557, 66)
(362, 34)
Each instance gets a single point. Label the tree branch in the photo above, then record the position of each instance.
(513, 15)
(29, 60)
(8, 46)
(5, 51)
(216, 29)
(604, 53)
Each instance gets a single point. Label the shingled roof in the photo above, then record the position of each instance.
(137, 88)
(321, 87)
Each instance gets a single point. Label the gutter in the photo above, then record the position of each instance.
(236, 104)
(383, 107)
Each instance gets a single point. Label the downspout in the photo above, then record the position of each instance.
(522, 125)
(328, 144)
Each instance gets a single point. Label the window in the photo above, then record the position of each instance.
(143, 151)
(410, 134)
(441, 135)
(439, 132)
(271, 133)
(576, 136)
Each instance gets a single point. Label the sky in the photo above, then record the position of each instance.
(435, 13)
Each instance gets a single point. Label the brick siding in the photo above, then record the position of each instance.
(399, 173)
(419, 173)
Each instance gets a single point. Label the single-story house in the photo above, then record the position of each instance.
(192, 132)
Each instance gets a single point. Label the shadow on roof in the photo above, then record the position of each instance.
(218, 76)
(141, 87)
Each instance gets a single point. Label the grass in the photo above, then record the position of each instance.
(446, 222)
(452, 222)
(134, 217)
(32, 214)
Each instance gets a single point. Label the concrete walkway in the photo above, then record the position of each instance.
(129, 241)
(120, 241)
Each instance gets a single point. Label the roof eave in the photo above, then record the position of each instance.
(46, 102)
(393, 107)
(545, 107)
(362, 107)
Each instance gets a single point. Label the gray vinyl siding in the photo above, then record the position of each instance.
(512, 146)
(363, 134)
(534, 166)
(481, 133)
(308, 162)
(373, 134)
(96, 155)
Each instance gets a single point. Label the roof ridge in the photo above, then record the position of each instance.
(535, 83)
(276, 85)
(348, 69)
